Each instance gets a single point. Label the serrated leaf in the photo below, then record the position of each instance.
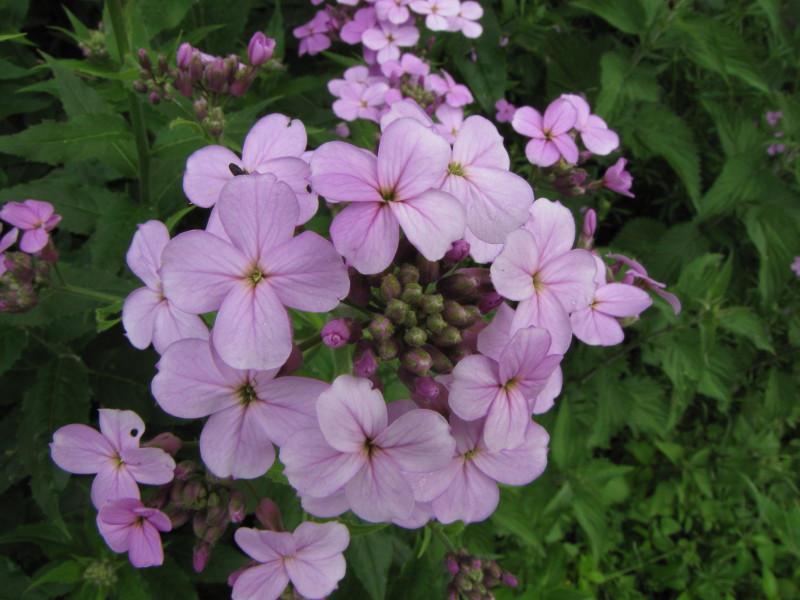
(77, 97)
(740, 181)
(11, 71)
(87, 136)
(665, 134)
(370, 557)
(741, 320)
(65, 572)
(159, 16)
(115, 230)
(773, 229)
(622, 82)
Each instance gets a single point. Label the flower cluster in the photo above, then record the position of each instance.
(473, 577)
(24, 272)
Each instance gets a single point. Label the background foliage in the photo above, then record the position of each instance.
(674, 458)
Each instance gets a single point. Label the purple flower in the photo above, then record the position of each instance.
(455, 94)
(387, 38)
(356, 448)
(249, 410)
(260, 49)
(464, 21)
(274, 145)
(34, 218)
(795, 266)
(311, 558)
(550, 133)
(773, 117)
(618, 179)
(313, 35)
(505, 111)
(250, 278)
(437, 11)
(392, 189)
(129, 526)
(596, 135)
(637, 272)
(146, 314)
(5, 243)
(113, 453)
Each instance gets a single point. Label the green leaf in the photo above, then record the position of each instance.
(622, 83)
(11, 71)
(740, 181)
(159, 16)
(87, 136)
(105, 315)
(115, 230)
(11, 36)
(65, 572)
(741, 320)
(773, 229)
(77, 97)
(370, 557)
(663, 133)
(628, 16)
(276, 29)
(12, 342)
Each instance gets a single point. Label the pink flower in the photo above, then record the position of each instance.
(146, 314)
(5, 243)
(311, 558)
(455, 94)
(597, 324)
(313, 35)
(250, 278)
(502, 390)
(551, 139)
(249, 410)
(394, 11)
(34, 218)
(450, 121)
(274, 145)
(637, 272)
(388, 39)
(618, 179)
(129, 526)
(355, 448)
(596, 135)
(260, 49)
(795, 266)
(505, 111)
(352, 30)
(358, 101)
(437, 11)
(538, 268)
(113, 453)
(496, 200)
(466, 489)
(392, 189)
(464, 21)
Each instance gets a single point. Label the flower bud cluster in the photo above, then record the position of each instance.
(156, 78)
(94, 47)
(473, 577)
(23, 279)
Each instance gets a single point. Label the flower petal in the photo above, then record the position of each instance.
(207, 172)
(432, 221)
(234, 443)
(367, 235)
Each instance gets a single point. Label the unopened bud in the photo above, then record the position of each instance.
(365, 362)
(426, 388)
(488, 301)
(215, 76)
(459, 250)
(408, 274)
(199, 525)
(458, 351)
(473, 315)
(449, 336)
(417, 360)
(381, 327)
(163, 66)
(237, 505)
(509, 579)
(454, 313)
(387, 348)
(260, 49)
(161, 497)
(200, 108)
(215, 514)
(179, 517)
(586, 238)
(390, 287)
(200, 556)
(269, 515)
(459, 286)
(140, 87)
(412, 294)
(451, 564)
(431, 303)
(168, 442)
(154, 98)
(435, 323)
(194, 495)
(144, 59)
(339, 332)
(397, 310)
(428, 270)
(415, 337)
(184, 55)
(441, 364)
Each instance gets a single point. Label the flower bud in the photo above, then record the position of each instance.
(417, 360)
(215, 76)
(473, 315)
(163, 66)
(435, 323)
(458, 351)
(199, 525)
(215, 513)
(194, 495)
(140, 87)
(161, 497)
(144, 59)
(269, 515)
(241, 81)
(200, 556)
(185, 469)
(365, 362)
(168, 442)
(339, 332)
(154, 98)
(260, 49)
(387, 348)
(509, 579)
(451, 564)
(586, 238)
(449, 336)
(488, 301)
(441, 364)
(425, 388)
(381, 327)
(184, 55)
(431, 303)
(428, 270)
(237, 506)
(200, 108)
(459, 286)
(408, 274)
(415, 337)
(454, 313)
(179, 517)
(459, 250)
(390, 287)
(397, 311)
(412, 294)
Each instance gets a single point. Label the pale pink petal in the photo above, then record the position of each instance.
(567, 148)
(525, 350)
(559, 117)
(541, 152)
(513, 269)
(475, 385)
(406, 108)
(378, 491)
(265, 546)
(582, 109)
(80, 449)
(344, 173)
(139, 313)
(287, 405)
(411, 159)
(350, 412)
(172, 324)
(471, 497)
(598, 138)
(596, 328)
(518, 466)
(207, 172)
(553, 228)
(258, 213)
(199, 270)
(317, 578)
(252, 329)
(33, 240)
(308, 274)
(507, 420)
(113, 482)
(262, 582)
(494, 338)
(545, 400)
(480, 251)
(570, 278)
(123, 428)
(21, 214)
(313, 467)
(544, 310)
(273, 136)
(431, 221)
(234, 442)
(367, 235)
(144, 255)
(527, 121)
(330, 506)
(621, 300)
(145, 546)
(418, 441)
(316, 541)
(151, 466)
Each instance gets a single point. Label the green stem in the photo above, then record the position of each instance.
(437, 531)
(82, 291)
(117, 15)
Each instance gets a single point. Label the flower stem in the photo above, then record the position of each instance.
(442, 536)
(82, 291)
